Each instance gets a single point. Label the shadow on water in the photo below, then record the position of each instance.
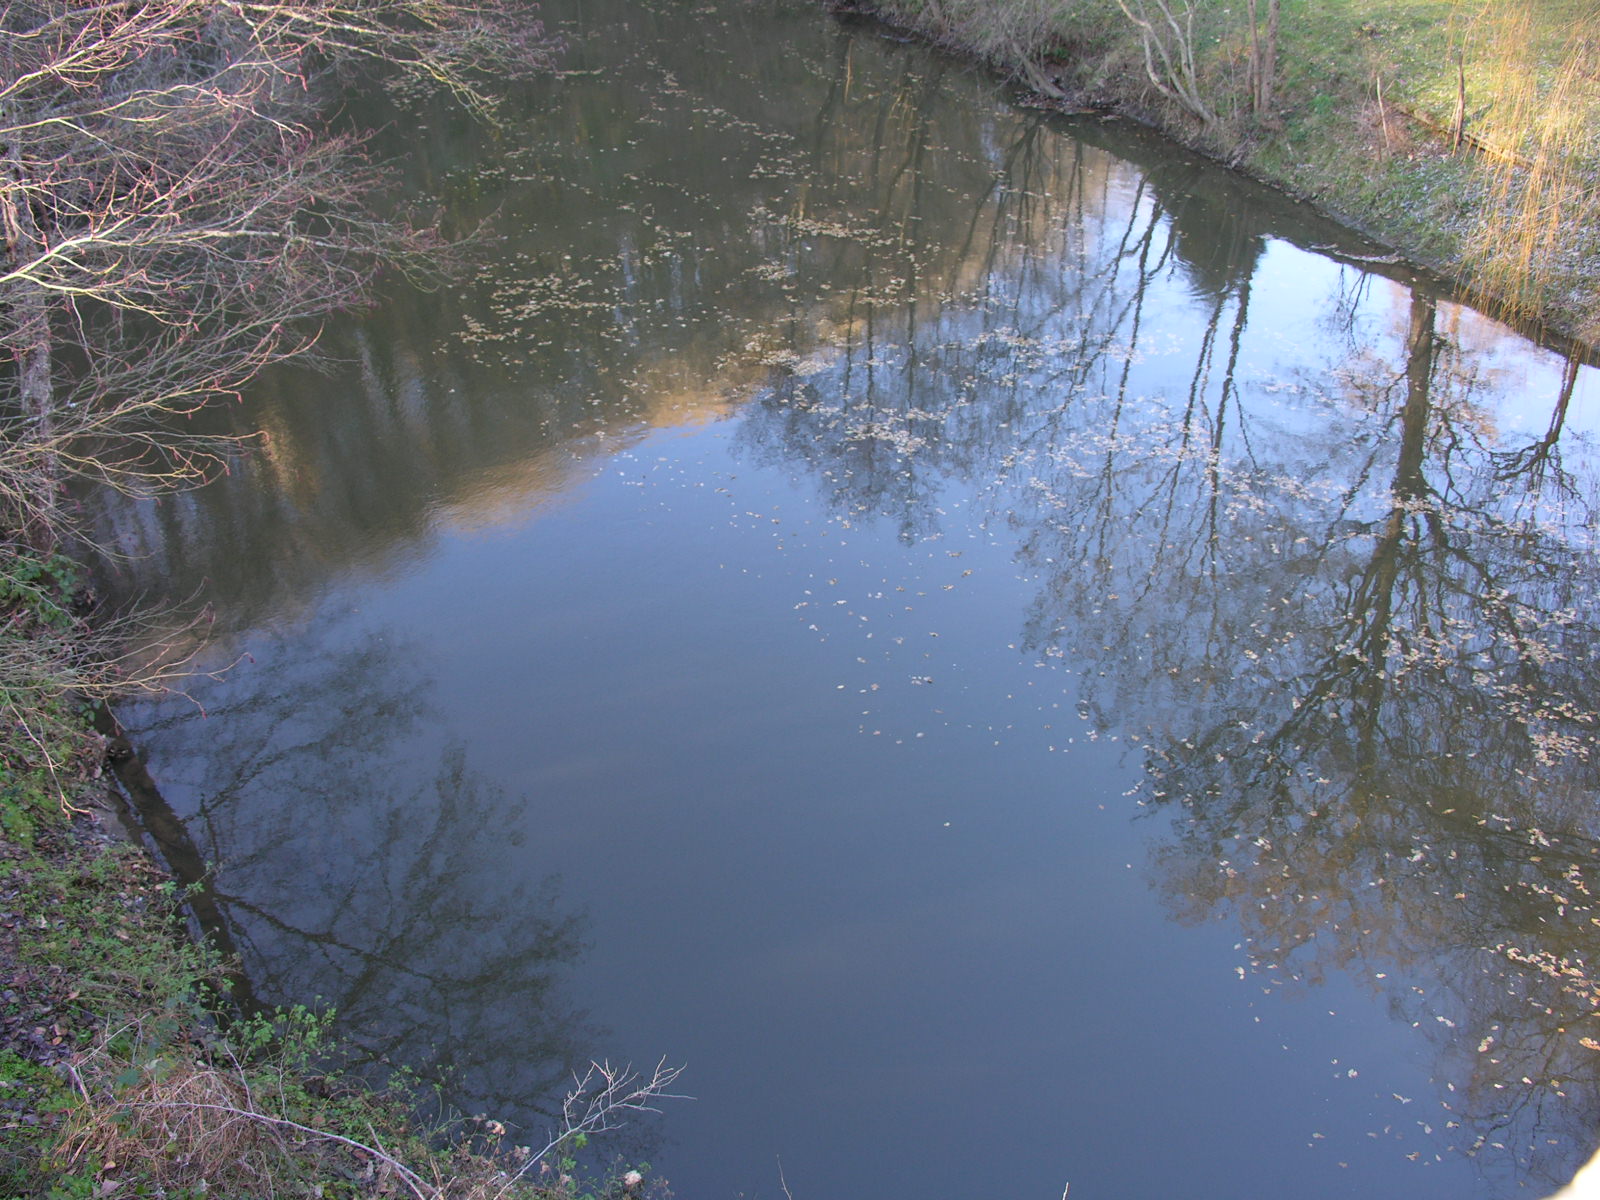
(148, 815)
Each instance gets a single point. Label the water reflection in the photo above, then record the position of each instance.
(626, 293)
(347, 844)
(1402, 773)
(1350, 619)
(1316, 541)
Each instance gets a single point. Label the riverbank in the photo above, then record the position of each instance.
(1464, 135)
(127, 1067)
(158, 256)
(126, 1070)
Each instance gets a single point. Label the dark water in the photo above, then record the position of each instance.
(1017, 657)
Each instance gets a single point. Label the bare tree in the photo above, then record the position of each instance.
(177, 213)
(1263, 72)
(1166, 31)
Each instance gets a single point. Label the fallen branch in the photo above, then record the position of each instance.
(599, 1098)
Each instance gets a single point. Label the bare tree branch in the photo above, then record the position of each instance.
(1167, 35)
(177, 214)
(601, 1100)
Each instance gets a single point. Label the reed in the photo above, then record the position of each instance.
(1535, 131)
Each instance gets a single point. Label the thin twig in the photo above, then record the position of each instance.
(596, 1100)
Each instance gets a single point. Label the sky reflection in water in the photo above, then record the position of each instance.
(962, 627)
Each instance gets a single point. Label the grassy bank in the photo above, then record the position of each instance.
(116, 1078)
(1464, 133)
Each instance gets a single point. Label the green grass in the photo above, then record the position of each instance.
(31, 1098)
(41, 725)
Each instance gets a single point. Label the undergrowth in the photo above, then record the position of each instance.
(42, 722)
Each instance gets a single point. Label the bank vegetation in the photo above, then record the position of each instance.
(1465, 134)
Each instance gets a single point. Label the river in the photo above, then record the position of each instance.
(1018, 657)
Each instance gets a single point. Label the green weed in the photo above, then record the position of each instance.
(43, 730)
(30, 1096)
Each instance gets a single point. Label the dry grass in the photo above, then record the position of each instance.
(185, 1127)
(176, 1117)
(1538, 119)
(180, 1124)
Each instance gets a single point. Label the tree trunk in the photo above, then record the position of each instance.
(1252, 73)
(1263, 70)
(1269, 59)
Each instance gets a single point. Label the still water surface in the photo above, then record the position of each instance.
(1019, 658)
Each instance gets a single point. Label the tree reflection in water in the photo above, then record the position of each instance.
(1347, 618)
(372, 900)
(1350, 623)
